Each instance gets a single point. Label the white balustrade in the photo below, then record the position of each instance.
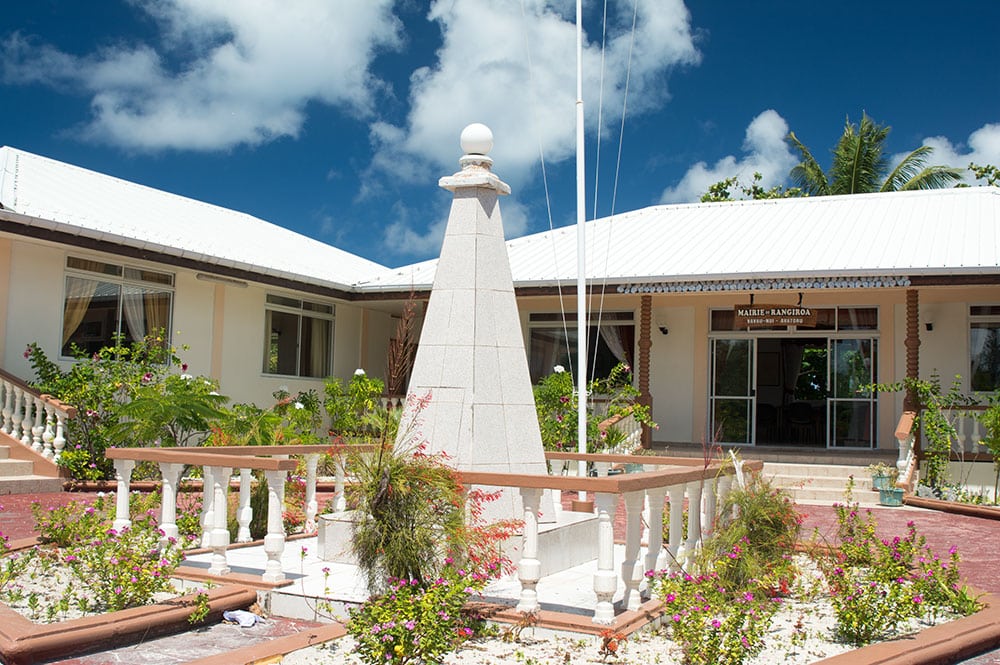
(123, 476)
(244, 513)
(8, 406)
(656, 555)
(529, 567)
(219, 535)
(28, 416)
(605, 579)
(311, 507)
(207, 519)
(170, 474)
(632, 567)
(36, 431)
(18, 414)
(274, 541)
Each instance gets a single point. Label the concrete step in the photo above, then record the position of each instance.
(11, 468)
(4, 452)
(822, 483)
(30, 484)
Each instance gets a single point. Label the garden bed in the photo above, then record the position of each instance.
(956, 507)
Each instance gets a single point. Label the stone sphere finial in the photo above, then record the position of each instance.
(477, 139)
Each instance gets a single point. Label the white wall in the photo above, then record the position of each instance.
(672, 367)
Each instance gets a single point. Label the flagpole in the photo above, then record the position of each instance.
(581, 247)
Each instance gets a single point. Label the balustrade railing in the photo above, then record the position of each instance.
(906, 463)
(38, 421)
(969, 430)
(692, 488)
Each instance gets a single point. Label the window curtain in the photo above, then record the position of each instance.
(79, 293)
(620, 340)
(132, 305)
(315, 347)
(157, 309)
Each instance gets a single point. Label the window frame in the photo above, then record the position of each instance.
(990, 317)
(293, 305)
(122, 275)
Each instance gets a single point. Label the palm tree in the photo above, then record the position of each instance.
(859, 165)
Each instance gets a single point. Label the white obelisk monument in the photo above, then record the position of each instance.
(471, 359)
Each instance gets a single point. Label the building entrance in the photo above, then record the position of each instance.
(794, 391)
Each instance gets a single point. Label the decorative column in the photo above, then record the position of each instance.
(912, 344)
(219, 537)
(274, 541)
(207, 505)
(632, 573)
(36, 431)
(8, 407)
(645, 343)
(339, 499)
(123, 474)
(708, 505)
(312, 507)
(170, 474)
(675, 544)
(605, 580)
(49, 433)
(655, 555)
(694, 490)
(16, 414)
(244, 514)
(529, 568)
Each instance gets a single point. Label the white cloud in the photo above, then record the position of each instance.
(224, 74)
(982, 147)
(517, 74)
(764, 151)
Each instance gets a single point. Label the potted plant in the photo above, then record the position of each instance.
(883, 475)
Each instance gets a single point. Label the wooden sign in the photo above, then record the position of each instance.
(766, 316)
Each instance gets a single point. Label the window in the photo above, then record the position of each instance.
(299, 336)
(552, 342)
(984, 347)
(105, 300)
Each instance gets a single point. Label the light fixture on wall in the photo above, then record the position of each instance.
(930, 326)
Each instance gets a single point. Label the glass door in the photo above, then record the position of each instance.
(851, 412)
(732, 399)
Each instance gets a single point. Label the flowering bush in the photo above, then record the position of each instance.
(415, 622)
(98, 385)
(710, 624)
(556, 404)
(878, 583)
(125, 568)
(350, 406)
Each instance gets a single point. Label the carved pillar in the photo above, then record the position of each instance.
(912, 344)
(645, 321)
(529, 567)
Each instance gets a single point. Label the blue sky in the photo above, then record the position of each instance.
(336, 118)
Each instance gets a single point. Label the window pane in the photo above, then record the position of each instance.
(732, 367)
(151, 276)
(145, 312)
(984, 345)
(852, 424)
(731, 420)
(282, 300)
(857, 318)
(90, 314)
(314, 349)
(548, 347)
(94, 266)
(282, 334)
(985, 310)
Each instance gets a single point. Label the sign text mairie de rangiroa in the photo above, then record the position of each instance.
(765, 316)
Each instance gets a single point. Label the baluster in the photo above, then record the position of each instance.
(675, 544)
(632, 574)
(219, 539)
(8, 406)
(655, 556)
(339, 500)
(49, 434)
(16, 415)
(36, 431)
(708, 509)
(244, 514)
(207, 505)
(274, 541)
(724, 485)
(529, 568)
(977, 433)
(312, 507)
(170, 474)
(693, 542)
(123, 474)
(59, 440)
(960, 430)
(605, 580)
(28, 419)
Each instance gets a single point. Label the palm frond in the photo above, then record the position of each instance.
(858, 160)
(907, 169)
(935, 177)
(807, 175)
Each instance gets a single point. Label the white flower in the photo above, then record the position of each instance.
(558, 369)
(359, 372)
(283, 389)
(213, 393)
(299, 405)
(186, 377)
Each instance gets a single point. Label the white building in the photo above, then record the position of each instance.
(755, 320)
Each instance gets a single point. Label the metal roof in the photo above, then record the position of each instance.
(884, 235)
(61, 197)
